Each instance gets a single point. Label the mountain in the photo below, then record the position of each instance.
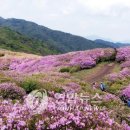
(111, 44)
(64, 42)
(122, 44)
(15, 41)
(99, 41)
(95, 37)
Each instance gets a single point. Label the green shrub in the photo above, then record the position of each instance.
(117, 86)
(50, 87)
(30, 84)
(70, 69)
(4, 79)
(75, 69)
(65, 69)
(32, 122)
(109, 104)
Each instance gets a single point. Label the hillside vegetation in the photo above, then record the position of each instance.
(15, 41)
(67, 79)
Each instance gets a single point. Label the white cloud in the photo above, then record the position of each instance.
(98, 5)
(105, 7)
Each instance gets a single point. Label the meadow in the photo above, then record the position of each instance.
(70, 74)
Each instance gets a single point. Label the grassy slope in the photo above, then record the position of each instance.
(87, 73)
(15, 41)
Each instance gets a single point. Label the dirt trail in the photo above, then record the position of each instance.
(98, 76)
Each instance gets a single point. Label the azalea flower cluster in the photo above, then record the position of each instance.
(123, 54)
(125, 64)
(83, 59)
(19, 116)
(123, 57)
(126, 91)
(124, 73)
(11, 90)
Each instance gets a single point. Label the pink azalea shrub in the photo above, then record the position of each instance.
(125, 64)
(126, 91)
(123, 54)
(113, 77)
(79, 116)
(13, 116)
(124, 73)
(12, 91)
(84, 59)
(83, 62)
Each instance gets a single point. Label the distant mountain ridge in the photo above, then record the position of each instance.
(52, 40)
(64, 42)
(112, 44)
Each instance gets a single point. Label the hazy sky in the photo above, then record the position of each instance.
(104, 18)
